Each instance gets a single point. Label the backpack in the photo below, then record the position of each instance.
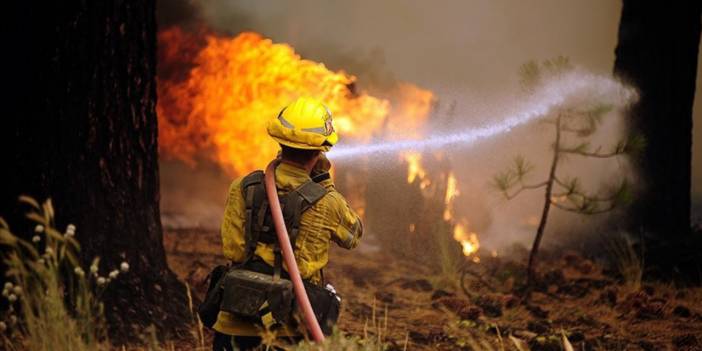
(254, 291)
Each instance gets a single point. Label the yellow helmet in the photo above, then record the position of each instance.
(304, 124)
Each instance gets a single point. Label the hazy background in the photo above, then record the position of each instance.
(466, 52)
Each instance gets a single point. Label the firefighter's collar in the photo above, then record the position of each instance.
(293, 170)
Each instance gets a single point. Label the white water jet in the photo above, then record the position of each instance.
(539, 104)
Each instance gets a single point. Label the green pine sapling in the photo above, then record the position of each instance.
(573, 126)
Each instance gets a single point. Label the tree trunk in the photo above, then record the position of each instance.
(531, 266)
(657, 53)
(85, 135)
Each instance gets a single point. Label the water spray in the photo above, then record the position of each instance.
(540, 104)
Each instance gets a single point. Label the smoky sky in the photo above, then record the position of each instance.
(452, 47)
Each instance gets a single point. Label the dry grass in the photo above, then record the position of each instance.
(54, 302)
(627, 260)
(340, 341)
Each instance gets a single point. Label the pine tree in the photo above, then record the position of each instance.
(573, 126)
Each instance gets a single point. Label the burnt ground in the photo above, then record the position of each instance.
(401, 302)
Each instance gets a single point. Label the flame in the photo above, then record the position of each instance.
(410, 108)
(469, 240)
(415, 170)
(451, 193)
(414, 166)
(220, 107)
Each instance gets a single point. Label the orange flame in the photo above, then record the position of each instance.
(451, 193)
(415, 171)
(235, 85)
(469, 240)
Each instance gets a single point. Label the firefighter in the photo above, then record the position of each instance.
(304, 131)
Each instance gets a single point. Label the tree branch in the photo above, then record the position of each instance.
(582, 210)
(586, 196)
(524, 187)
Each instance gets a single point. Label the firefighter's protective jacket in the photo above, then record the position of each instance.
(330, 219)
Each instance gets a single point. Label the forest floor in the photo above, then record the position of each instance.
(406, 304)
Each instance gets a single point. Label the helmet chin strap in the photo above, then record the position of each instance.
(288, 256)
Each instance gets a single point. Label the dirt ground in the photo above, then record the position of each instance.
(402, 302)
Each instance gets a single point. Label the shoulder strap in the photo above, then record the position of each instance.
(254, 197)
(311, 192)
(294, 202)
(299, 201)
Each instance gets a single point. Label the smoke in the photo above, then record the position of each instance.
(550, 96)
(502, 222)
(513, 127)
(183, 13)
(468, 53)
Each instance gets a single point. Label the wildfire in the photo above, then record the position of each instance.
(469, 240)
(219, 92)
(451, 193)
(234, 85)
(415, 171)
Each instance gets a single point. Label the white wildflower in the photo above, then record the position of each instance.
(114, 274)
(101, 280)
(70, 231)
(49, 251)
(12, 298)
(3, 326)
(124, 267)
(8, 285)
(17, 290)
(93, 269)
(36, 239)
(39, 228)
(5, 292)
(79, 272)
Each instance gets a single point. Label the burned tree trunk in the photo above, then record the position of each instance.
(657, 53)
(86, 136)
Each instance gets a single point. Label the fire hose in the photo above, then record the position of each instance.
(288, 256)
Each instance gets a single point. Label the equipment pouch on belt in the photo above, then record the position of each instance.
(257, 297)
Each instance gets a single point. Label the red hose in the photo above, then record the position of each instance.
(288, 257)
